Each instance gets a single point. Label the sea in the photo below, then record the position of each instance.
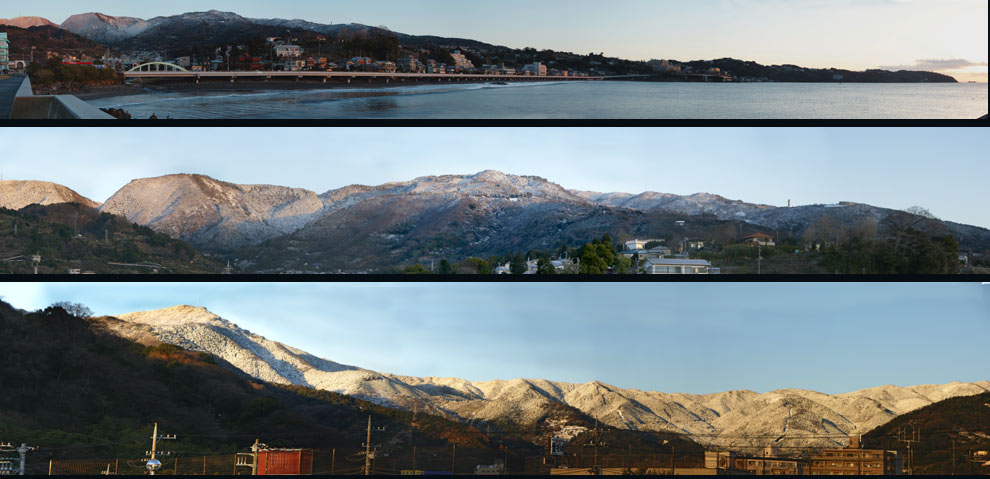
(569, 100)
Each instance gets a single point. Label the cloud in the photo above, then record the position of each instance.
(944, 64)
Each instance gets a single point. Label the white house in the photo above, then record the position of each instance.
(288, 51)
(676, 266)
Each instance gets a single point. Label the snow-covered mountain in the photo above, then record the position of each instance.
(15, 194)
(734, 419)
(205, 211)
(27, 22)
(104, 28)
(696, 204)
(369, 228)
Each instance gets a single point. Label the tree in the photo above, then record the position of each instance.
(76, 309)
(473, 266)
(416, 269)
(544, 266)
(919, 211)
(445, 267)
(517, 265)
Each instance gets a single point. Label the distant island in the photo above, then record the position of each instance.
(223, 41)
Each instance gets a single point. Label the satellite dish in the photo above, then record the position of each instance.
(153, 465)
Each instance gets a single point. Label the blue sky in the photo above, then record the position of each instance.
(854, 34)
(942, 169)
(693, 338)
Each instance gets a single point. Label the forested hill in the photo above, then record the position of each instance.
(959, 425)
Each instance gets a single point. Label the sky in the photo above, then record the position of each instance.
(941, 169)
(950, 35)
(671, 337)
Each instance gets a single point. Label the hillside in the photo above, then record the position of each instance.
(15, 195)
(102, 239)
(84, 386)
(50, 38)
(793, 73)
(214, 214)
(740, 420)
(494, 215)
(26, 22)
(960, 423)
(77, 391)
(199, 33)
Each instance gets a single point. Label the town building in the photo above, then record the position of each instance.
(384, 66)
(676, 266)
(644, 254)
(460, 61)
(664, 66)
(535, 69)
(288, 51)
(853, 460)
(497, 469)
(409, 64)
(4, 52)
(767, 464)
(761, 239)
(636, 244)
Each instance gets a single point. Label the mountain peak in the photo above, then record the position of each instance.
(173, 316)
(27, 22)
(16, 194)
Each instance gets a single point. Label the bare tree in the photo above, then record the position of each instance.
(76, 309)
(924, 213)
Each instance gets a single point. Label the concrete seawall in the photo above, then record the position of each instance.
(18, 102)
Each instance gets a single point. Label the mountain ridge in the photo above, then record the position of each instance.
(463, 215)
(739, 419)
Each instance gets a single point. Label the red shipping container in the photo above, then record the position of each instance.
(285, 461)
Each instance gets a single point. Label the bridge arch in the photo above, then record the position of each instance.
(157, 67)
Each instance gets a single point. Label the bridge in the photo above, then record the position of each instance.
(167, 71)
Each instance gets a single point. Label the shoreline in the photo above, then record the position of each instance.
(98, 93)
(183, 87)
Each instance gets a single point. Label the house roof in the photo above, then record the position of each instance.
(678, 262)
(759, 235)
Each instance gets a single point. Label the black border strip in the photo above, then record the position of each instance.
(496, 123)
(436, 278)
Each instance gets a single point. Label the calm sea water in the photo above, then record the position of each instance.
(577, 100)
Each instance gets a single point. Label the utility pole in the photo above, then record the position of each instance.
(909, 434)
(596, 443)
(154, 464)
(453, 456)
(21, 451)
(333, 459)
(759, 258)
(368, 454)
